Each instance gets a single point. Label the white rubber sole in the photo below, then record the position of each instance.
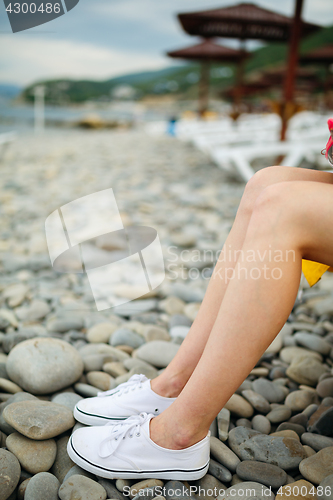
(89, 419)
(182, 475)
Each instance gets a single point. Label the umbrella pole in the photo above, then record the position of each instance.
(204, 88)
(287, 105)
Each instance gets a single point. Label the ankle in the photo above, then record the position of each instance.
(169, 387)
(172, 439)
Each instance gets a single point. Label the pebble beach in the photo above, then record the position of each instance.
(274, 437)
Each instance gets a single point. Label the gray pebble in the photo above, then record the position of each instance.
(41, 486)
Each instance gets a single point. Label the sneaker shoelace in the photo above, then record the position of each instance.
(130, 427)
(133, 383)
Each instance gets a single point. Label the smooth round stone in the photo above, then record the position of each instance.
(260, 371)
(219, 471)
(172, 305)
(152, 332)
(124, 336)
(313, 342)
(248, 490)
(325, 388)
(317, 467)
(111, 490)
(101, 332)
(10, 471)
(207, 485)
(68, 399)
(287, 354)
(159, 353)
(103, 349)
(179, 331)
(94, 362)
(244, 422)
(135, 307)
(179, 320)
(327, 488)
(62, 463)
(101, 380)
(251, 445)
(299, 419)
(81, 487)
(38, 419)
(14, 338)
(298, 490)
(41, 486)
(299, 400)
(286, 433)
(149, 372)
(316, 441)
(306, 370)
(44, 365)
(8, 386)
(21, 489)
(63, 325)
(34, 456)
(115, 368)
(37, 310)
(239, 406)
(15, 294)
(258, 401)
(279, 414)
(123, 483)
(223, 454)
(273, 393)
(267, 474)
(142, 485)
(185, 292)
(261, 424)
(310, 410)
(86, 390)
(289, 426)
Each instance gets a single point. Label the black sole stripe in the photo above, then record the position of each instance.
(134, 471)
(100, 416)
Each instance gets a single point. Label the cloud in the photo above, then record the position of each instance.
(26, 58)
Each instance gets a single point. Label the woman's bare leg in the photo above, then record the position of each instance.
(174, 378)
(289, 216)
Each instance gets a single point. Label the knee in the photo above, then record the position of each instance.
(256, 185)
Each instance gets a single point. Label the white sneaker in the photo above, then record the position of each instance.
(131, 398)
(125, 451)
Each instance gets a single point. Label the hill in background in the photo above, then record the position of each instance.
(181, 80)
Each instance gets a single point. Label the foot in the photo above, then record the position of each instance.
(131, 398)
(125, 450)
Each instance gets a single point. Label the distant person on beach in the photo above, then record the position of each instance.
(284, 217)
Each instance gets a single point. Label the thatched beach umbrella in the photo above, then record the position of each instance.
(207, 52)
(248, 21)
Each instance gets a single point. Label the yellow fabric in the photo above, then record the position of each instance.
(313, 271)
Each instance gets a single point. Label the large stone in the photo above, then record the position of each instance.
(325, 388)
(81, 488)
(313, 342)
(316, 441)
(288, 354)
(38, 419)
(219, 471)
(34, 456)
(248, 490)
(159, 353)
(317, 467)
(248, 444)
(124, 336)
(101, 332)
(299, 400)
(297, 490)
(279, 414)
(239, 406)
(327, 488)
(258, 401)
(10, 471)
(223, 454)
(306, 370)
(270, 391)
(321, 421)
(42, 486)
(261, 424)
(36, 310)
(267, 474)
(44, 365)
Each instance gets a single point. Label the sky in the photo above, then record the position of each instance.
(99, 39)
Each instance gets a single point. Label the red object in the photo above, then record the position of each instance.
(329, 144)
